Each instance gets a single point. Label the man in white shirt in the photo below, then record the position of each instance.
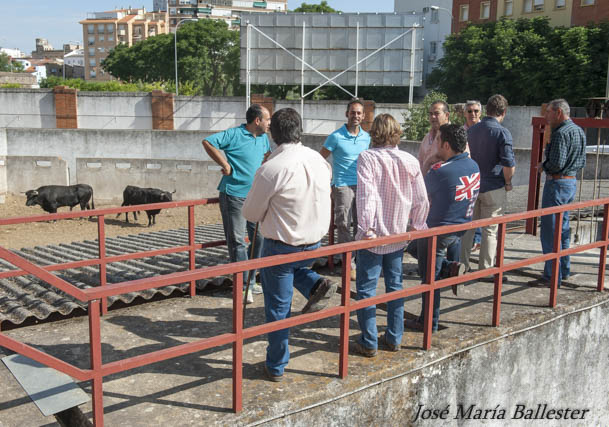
(290, 199)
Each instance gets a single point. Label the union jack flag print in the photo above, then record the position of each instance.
(469, 188)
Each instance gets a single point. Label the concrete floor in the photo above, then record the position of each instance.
(196, 389)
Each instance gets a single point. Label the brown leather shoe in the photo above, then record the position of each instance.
(272, 377)
(389, 347)
(319, 300)
(358, 348)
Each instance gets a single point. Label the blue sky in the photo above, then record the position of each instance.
(21, 22)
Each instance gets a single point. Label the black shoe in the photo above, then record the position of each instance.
(359, 349)
(319, 300)
(539, 283)
(453, 269)
(272, 377)
(389, 347)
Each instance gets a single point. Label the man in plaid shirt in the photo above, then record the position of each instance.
(390, 193)
(565, 156)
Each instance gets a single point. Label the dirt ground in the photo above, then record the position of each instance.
(69, 230)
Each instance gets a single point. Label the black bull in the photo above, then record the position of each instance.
(133, 195)
(51, 197)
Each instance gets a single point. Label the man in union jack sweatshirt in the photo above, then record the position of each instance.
(452, 188)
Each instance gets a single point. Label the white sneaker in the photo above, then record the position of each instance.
(249, 298)
(256, 289)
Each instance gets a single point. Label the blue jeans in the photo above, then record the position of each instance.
(369, 267)
(448, 247)
(234, 230)
(556, 192)
(278, 283)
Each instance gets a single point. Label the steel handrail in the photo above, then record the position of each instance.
(96, 296)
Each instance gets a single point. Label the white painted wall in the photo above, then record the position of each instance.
(114, 110)
(27, 108)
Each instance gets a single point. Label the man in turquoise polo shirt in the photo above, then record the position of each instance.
(345, 145)
(244, 148)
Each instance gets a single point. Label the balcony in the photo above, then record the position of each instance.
(204, 10)
(260, 4)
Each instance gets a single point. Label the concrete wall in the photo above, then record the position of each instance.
(3, 180)
(22, 108)
(70, 144)
(114, 110)
(151, 145)
(25, 173)
(27, 108)
(212, 114)
(561, 363)
(191, 179)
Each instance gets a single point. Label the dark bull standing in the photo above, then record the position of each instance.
(51, 197)
(133, 195)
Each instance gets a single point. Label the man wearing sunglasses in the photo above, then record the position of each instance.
(473, 110)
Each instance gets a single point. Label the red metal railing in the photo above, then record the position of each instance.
(95, 296)
(537, 147)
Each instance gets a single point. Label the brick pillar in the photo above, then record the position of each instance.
(66, 107)
(369, 107)
(265, 101)
(162, 110)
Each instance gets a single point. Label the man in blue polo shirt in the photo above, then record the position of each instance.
(452, 188)
(345, 145)
(244, 149)
(490, 146)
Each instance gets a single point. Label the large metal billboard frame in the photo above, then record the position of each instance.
(339, 49)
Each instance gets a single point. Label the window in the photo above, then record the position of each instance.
(110, 37)
(91, 40)
(92, 62)
(110, 28)
(92, 74)
(91, 51)
(100, 37)
(508, 8)
(588, 2)
(533, 6)
(464, 13)
(101, 28)
(433, 48)
(434, 16)
(90, 29)
(101, 49)
(560, 4)
(485, 10)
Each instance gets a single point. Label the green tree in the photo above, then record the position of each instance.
(322, 7)
(208, 58)
(7, 65)
(526, 60)
(416, 118)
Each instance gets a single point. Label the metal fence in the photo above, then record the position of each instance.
(96, 297)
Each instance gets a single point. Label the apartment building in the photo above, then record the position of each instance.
(104, 30)
(560, 12)
(226, 10)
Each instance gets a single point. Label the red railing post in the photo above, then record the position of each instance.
(499, 276)
(96, 363)
(345, 300)
(556, 263)
(602, 262)
(191, 243)
(431, 279)
(534, 176)
(101, 239)
(238, 344)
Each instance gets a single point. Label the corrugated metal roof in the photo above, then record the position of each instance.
(28, 298)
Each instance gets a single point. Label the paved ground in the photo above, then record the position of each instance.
(196, 389)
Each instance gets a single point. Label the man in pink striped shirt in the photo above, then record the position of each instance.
(390, 194)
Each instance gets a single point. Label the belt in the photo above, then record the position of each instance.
(559, 176)
(293, 246)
